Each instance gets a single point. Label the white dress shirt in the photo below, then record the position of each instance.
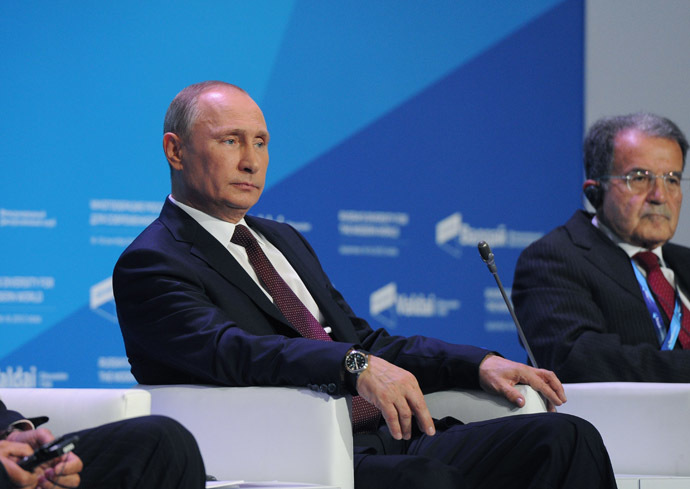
(223, 231)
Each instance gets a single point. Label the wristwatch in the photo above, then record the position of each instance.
(356, 361)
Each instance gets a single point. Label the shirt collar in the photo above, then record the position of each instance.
(630, 249)
(219, 229)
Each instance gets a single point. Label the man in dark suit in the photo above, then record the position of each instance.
(137, 453)
(209, 295)
(582, 293)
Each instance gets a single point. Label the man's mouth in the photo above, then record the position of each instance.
(245, 185)
(657, 212)
(654, 216)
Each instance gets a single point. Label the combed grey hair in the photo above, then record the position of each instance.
(600, 139)
(183, 110)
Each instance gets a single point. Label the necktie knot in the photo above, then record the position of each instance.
(648, 260)
(243, 237)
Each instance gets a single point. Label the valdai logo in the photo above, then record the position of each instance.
(452, 234)
(387, 304)
(102, 300)
(18, 377)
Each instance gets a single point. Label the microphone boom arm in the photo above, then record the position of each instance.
(488, 258)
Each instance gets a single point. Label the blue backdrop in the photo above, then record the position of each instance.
(402, 133)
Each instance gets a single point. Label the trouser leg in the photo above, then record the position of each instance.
(140, 453)
(532, 451)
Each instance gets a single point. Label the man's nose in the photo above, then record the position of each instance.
(249, 162)
(658, 193)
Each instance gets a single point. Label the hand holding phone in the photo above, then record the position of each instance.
(49, 451)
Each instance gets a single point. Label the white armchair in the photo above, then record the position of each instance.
(644, 425)
(264, 433)
(294, 434)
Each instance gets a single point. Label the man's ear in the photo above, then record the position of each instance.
(594, 192)
(172, 147)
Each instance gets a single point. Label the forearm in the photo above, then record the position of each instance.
(437, 365)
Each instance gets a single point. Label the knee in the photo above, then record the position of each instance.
(169, 435)
(567, 434)
(577, 428)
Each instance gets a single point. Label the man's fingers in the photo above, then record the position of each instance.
(549, 385)
(405, 418)
(50, 480)
(512, 394)
(390, 414)
(555, 385)
(399, 419)
(423, 417)
(396, 393)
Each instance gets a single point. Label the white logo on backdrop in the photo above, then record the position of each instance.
(114, 370)
(497, 313)
(110, 217)
(111, 370)
(301, 226)
(387, 304)
(30, 377)
(102, 300)
(452, 234)
(26, 219)
(371, 233)
(22, 298)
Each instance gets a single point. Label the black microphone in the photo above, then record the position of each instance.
(488, 258)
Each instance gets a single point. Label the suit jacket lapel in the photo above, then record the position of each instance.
(207, 248)
(603, 253)
(678, 259)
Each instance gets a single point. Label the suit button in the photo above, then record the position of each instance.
(331, 388)
(313, 387)
(323, 388)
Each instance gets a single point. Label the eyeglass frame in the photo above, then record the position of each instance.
(650, 178)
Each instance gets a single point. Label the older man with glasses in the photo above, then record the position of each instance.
(605, 296)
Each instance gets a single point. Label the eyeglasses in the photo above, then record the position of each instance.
(642, 181)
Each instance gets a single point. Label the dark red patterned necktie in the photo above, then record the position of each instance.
(365, 416)
(665, 293)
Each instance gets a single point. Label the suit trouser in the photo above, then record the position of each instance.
(140, 453)
(548, 450)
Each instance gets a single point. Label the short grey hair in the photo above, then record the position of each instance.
(183, 110)
(600, 139)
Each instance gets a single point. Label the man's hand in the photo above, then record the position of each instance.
(10, 452)
(36, 438)
(397, 394)
(499, 375)
(60, 472)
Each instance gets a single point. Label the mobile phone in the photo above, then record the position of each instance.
(49, 451)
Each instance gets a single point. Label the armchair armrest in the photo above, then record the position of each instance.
(264, 433)
(476, 405)
(76, 409)
(644, 425)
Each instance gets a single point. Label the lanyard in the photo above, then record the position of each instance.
(667, 340)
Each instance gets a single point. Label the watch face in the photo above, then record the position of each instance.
(356, 361)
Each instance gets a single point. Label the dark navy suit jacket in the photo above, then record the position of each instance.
(577, 298)
(189, 313)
